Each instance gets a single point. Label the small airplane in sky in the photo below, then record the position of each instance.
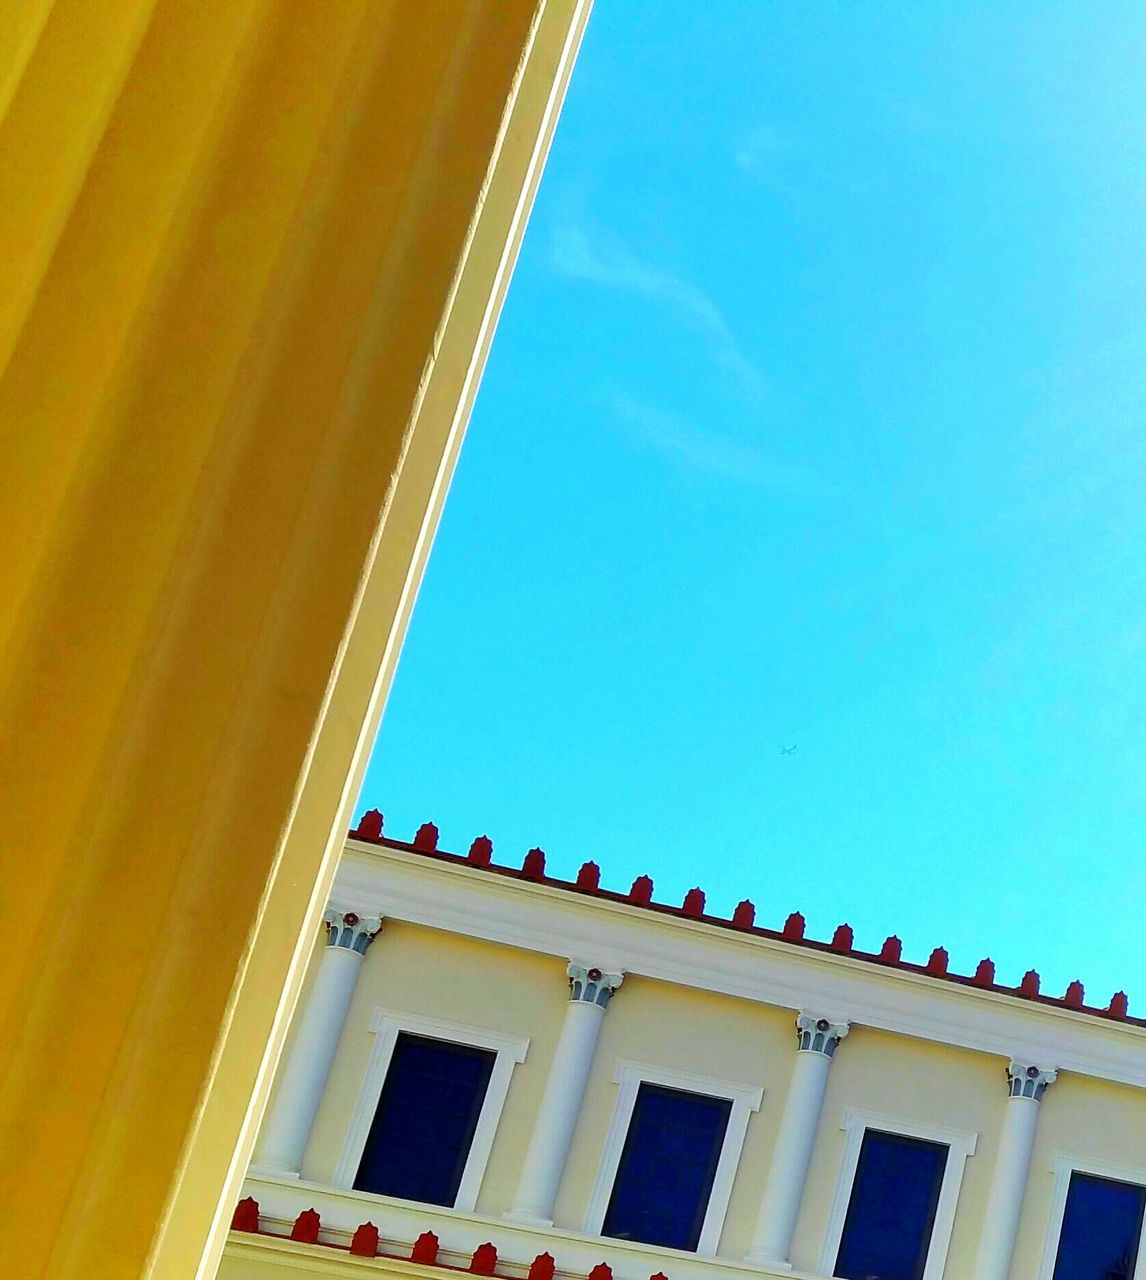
(787, 751)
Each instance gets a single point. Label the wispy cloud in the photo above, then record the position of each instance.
(762, 155)
(613, 266)
(711, 454)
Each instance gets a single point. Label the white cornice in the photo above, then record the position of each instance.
(540, 918)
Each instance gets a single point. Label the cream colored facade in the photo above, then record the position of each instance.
(705, 1005)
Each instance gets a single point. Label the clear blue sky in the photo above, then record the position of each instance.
(816, 416)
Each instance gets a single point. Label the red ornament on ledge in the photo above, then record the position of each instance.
(985, 974)
(305, 1229)
(794, 927)
(246, 1215)
(425, 1249)
(369, 825)
(481, 852)
(426, 837)
(534, 865)
(1030, 984)
(892, 950)
(484, 1260)
(365, 1242)
(642, 891)
(602, 1271)
(744, 917)
(589, 877)
(1074, 995)
(937, 961)
(693, 905)
(842, 939)
(542, 1267)
(1119, 1005)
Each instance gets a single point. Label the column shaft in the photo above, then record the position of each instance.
(817, 1041)
(784, 1189)
(564, 1092)
(291, 1117)
(1009, 1180)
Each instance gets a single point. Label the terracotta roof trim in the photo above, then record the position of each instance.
(588, 883)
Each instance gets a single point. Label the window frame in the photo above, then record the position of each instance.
(386, 1025)
(960, 1143)
(1062, 1165)
(745, 1099)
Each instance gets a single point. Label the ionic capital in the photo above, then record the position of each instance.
(1028, 1079)
(349, 930)
(589, 985)
(817, 1034)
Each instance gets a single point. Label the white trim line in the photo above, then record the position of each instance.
(386, 1025)
(745, 1098)
(960, 1143)
(1062, 1165)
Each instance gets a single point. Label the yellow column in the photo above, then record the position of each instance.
(251, 254)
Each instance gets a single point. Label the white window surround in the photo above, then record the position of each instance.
(1063, 1164)
(630, 1076)
(960, 1143)
(385, 1026)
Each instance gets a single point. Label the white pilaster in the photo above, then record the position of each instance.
(1027, 1083)
(287, 1126)
(589, 993)
(817, 1039)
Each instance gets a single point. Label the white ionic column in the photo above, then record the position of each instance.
(288, 1123)
(1027, 1083)
(589, 993)
(817, 1039)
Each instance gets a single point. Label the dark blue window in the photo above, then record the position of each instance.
(667, 1167)
(422, 1131)
(887, 1231)
(1100, 1229)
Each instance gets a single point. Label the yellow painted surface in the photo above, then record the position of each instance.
(477, 984)
(250, 252)
(1089, 1120)
(254, 1259)
(693, 1031)
(915, 1080)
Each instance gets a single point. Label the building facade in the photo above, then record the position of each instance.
(496, 1071)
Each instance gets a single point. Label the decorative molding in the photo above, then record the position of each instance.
(817, 1034)
(590, 985)
(1028, 1080)
(385, 1026)
(692, 953)
(961, 1144)
(1062, 1165)
(349, 930)
(630, 1076)
(401, 1222)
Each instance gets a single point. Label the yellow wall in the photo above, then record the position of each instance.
(251, 253)
(1087, 1119)
(253, 1259)
(664, 1025)
(913, 1080)
(477, 984)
